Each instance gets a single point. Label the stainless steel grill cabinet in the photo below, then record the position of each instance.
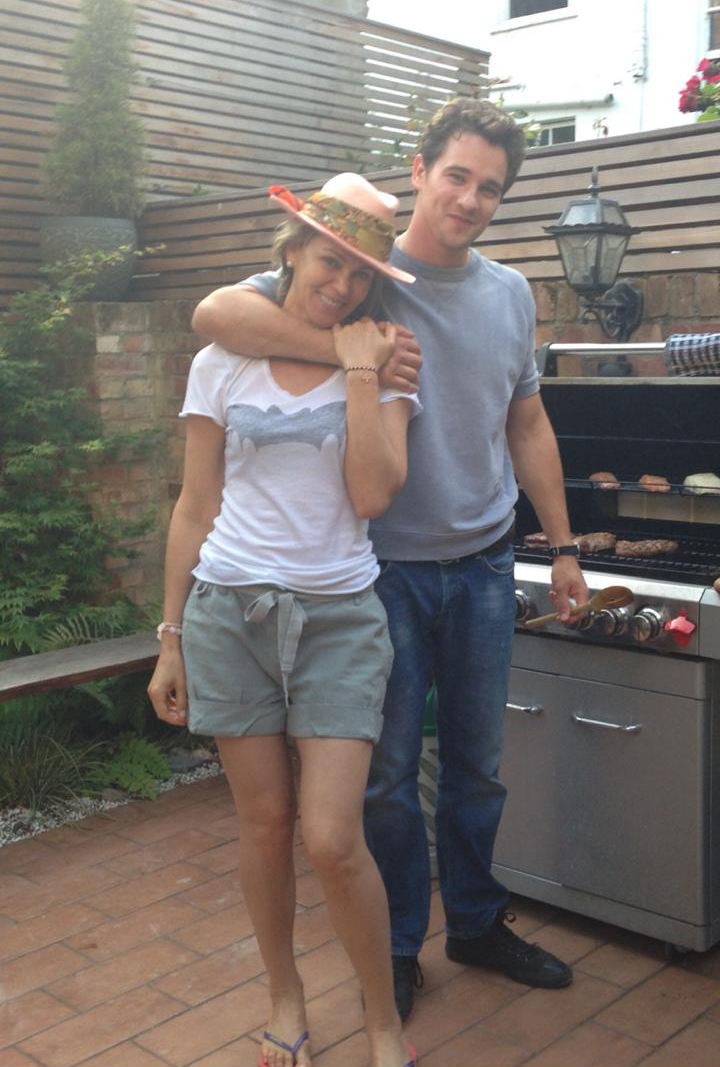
(612, 752)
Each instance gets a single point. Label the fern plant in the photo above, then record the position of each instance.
(135, 766)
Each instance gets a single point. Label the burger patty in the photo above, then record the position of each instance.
(592, 542)
(644, 549)
(536, 540)
(595, 542)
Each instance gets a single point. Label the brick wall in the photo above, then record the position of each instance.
(143, 353)
(142, 356)
(674, 303)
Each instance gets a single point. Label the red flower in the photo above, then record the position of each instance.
(689, 100)
(701, 93)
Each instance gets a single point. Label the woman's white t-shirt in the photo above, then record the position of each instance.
(286, 518)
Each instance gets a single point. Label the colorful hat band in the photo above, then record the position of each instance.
(359, 228)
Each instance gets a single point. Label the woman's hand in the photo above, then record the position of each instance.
(401, 372)
(168, 689)
(364, 343)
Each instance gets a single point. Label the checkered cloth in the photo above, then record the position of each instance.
(693, 355)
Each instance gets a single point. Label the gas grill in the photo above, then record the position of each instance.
(612, 756)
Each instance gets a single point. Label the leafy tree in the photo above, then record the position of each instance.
(94, 164)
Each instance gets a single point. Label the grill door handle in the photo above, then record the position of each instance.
(635, 728)
(529, 709)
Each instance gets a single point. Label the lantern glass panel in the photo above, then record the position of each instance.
(611, 254)
(582, 213)
(579, 255)
(613, 213)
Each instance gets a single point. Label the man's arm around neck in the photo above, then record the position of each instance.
(244, 321)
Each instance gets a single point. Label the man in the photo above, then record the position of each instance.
(445, 541)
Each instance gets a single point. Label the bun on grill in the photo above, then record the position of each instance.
(605, 480)
(702, 483)
(655, 483)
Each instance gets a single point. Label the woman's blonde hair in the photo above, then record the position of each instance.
(293, 234)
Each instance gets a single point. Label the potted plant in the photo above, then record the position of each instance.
(702, 92)
(93, 167)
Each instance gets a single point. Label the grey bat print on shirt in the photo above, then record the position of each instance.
(274, 427)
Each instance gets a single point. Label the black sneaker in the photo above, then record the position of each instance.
(502, 950)
(407, 977)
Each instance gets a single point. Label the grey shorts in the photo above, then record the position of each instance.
(260, 660)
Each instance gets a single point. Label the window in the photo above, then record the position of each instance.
(518, 8)
(556, 132)
(714, 20)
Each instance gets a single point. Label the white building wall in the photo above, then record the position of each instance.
(615, 66)
(638, 52)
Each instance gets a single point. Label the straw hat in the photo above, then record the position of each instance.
(352, 213)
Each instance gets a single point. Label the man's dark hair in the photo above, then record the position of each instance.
(465, 115)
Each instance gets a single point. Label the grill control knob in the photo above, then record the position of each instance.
(649, 623)
(523, 605)
(613, 621)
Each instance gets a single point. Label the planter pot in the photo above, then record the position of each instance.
(69, 235)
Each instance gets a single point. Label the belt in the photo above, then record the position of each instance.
(502, 542)
(291, 619)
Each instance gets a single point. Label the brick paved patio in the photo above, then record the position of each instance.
(124, 942)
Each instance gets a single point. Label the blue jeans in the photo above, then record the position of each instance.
(452, 623)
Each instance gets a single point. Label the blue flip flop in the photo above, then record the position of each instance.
(412, 1062)
(292, 1049)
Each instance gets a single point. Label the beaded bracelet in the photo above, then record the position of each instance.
(168, 627)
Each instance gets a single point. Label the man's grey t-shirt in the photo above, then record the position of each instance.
(476, 327)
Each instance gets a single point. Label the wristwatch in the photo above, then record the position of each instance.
(565, 550)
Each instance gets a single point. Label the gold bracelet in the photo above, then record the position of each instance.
(367, 371)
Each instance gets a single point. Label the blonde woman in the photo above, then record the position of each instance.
(272, 628)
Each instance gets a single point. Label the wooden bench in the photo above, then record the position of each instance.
(82, 663)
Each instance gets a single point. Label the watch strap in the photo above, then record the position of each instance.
(564, 550)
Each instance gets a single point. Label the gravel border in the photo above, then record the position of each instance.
(17, 824)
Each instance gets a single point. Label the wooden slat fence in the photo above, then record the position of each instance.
(233, 95)
(667, 181)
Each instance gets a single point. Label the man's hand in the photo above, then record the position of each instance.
(402, 368)
(567, 582)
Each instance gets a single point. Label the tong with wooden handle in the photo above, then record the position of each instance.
(614, 596)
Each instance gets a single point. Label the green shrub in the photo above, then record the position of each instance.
(52, 545)
(39, 771)
(54, 588)
(95, 160)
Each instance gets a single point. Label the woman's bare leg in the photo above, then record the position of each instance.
(259, 773)
(332, 787)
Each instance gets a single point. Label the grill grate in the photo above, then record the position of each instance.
(674, 488)
(696, 562)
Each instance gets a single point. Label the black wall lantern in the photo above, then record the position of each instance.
(592, 235)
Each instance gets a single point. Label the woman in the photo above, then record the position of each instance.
(282, 634)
